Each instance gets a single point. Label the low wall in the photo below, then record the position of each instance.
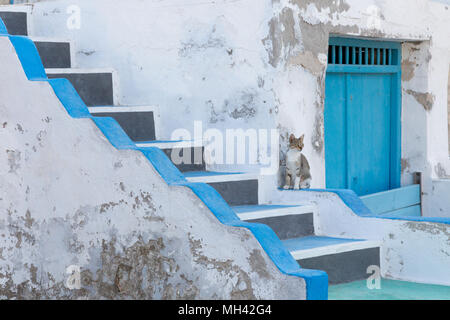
(416, 249)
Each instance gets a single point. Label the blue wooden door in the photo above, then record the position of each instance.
(368, 135)
(362, 122)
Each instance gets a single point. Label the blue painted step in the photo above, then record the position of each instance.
(286, 221)
(344, 260)
(54, 54)
(236, 188)
(138, 122)
(15, 22)
(185, 155)
(95, 87)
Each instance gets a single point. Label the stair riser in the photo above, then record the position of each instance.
(238, 193)
(96, 89)
(290, 226)
(344, 267)
(177, 156)
(139, 126)
(54, 54)
(15, 22)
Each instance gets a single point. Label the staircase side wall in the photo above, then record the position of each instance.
(69, 202)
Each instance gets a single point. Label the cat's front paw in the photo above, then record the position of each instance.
(286, 187)
(296, 187)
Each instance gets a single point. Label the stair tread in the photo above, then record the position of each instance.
(169, 144)
(50, 39)
(312, 246)
(14, 24)
(211, 173)
(123, 109)
(252, 212)
(213, 176)
(15, 8)
(78, 70)
(262, 207)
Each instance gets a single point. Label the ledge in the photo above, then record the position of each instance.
(351, 200)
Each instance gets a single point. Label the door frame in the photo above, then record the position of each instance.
(396, 97)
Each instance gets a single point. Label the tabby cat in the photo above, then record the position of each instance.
(297, 167)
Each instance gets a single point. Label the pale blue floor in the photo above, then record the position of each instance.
(390, 290)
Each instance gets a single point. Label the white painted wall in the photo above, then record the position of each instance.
(67, 197)
(259, 64)
(440, 195)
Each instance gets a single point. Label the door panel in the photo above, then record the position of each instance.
(357, 131)
(368, 132)
(335, 131)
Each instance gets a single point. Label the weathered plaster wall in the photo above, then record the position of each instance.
(415, 105)
(261, 64)
(425, 97)
(67, 197)
(437, 123)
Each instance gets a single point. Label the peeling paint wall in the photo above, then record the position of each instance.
(261, 64)
(415, 107)
(438, 86)
(68, 198)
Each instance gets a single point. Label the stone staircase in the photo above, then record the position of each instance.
(344, 260)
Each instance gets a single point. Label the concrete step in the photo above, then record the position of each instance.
(96, 87)
(15, 18)
(345, 260)
(286, 221)
(236, 188)
(139, 122)
(54, 53)
(185, 155)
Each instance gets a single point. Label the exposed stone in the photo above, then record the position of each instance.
(426, 100)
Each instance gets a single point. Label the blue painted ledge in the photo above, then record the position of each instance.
(351, 200)
(316, 280)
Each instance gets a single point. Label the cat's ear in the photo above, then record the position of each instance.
(291, 138)
(302, 138)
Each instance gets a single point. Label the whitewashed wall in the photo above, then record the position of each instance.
(261, 64)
